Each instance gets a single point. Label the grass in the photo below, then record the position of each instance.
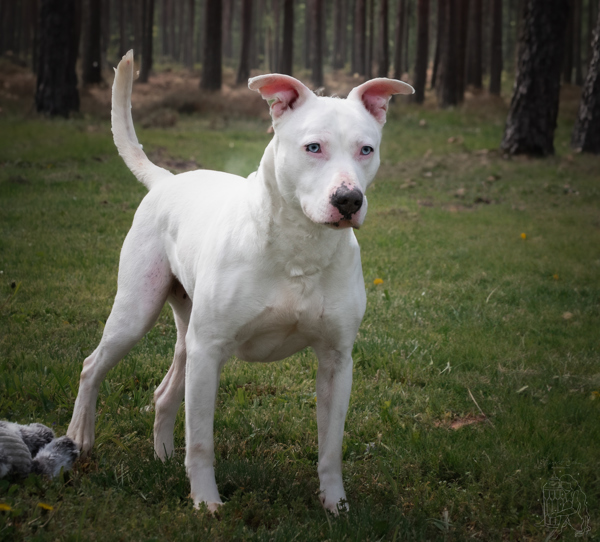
(470, 318)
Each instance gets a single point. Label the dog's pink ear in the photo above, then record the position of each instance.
(283, 92)
(376, 93)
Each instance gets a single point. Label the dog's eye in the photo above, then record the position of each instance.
(366, 150)
(313, 147)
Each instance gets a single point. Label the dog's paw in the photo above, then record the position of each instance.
(333, 504)
(211, 507)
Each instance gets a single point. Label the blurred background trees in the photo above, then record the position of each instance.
(452, 46)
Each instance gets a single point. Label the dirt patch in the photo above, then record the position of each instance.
(162, 158)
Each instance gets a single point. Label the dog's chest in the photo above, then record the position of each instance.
(292, 319)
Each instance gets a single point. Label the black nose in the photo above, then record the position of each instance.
(347, 201)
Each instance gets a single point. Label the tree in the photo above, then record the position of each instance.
(317, 43)
(441, 25)
(287, 48)
(211, 64)
(445, 85)
(188, 34)
(123, 38)
(496, 48)
(534, 106)
(422, 50)
(227, 28)
(91, 61)
(339, 34)
(474, 73)
(244, 67)
(577, 41)
(369, 51)
(308, 33)
(383, 48)
(586, 134)
(461, 46)
(567, 63)
(56, 88)
(359, 43)
(147, 24)
(399, 39)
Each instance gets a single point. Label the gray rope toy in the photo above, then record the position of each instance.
(34, 449)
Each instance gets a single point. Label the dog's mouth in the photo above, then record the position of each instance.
(341, 224)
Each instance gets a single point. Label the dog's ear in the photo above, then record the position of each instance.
(282, 92)
(376, 93)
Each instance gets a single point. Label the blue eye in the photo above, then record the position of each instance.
(313, 147)
(366, 150)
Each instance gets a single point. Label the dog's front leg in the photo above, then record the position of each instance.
(204, 362)
(334, 383)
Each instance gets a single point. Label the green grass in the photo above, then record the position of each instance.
(469, 316)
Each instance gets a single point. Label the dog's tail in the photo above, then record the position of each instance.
(123, 130)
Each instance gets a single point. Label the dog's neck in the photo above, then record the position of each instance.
(293, 237)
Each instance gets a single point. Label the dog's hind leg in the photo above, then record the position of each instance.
(144, 281)
(169, 395)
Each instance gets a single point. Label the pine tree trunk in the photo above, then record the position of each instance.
(91, 61)
(317, 44)
(123, 38)
(212, 57)
(56, 88)
(276, 34)
(568, 55)
(369, 51)
(339, 34)
(474, 75)
(188, 35)
(105, 31)
(244, 67)
(446, 87)
(360, 9)
(308, 33)
(461, 46)
(422, 58)
(164, 27)
(441, 25)
(496, 49)
(399, 39)
(534, 107)
(577, 42)
(383, 47)
(227, 28)
(147, 25)
(287, 48)
(586, 134)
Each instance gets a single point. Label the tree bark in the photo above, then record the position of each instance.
(147, 25)
(586, 134)
(577, 42)
(446, 87)
(212, 58)
(422, 58)
(496, 49)
(399, 39)
(123, 38)
(188, 35)
(287, 48)
(316, 42)
(276, 34)
(441, 25)
(56, 88)
(339, 34)
(244, 67)
(474, 74)
(227, 28)
(369, 51)
(383, 47)
(308, 32)
(91, 61)
(105, 31)
(461, 46)
(534, 107)
(360, 9)
(568, 55)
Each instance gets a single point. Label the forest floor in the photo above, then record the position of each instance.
(477, 366)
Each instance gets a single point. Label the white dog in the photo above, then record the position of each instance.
(259, 267)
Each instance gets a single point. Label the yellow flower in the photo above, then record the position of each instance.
(595, 395)
(523, 236)
(5, 507)
(45, 506)
(555, 276)
(378, 281)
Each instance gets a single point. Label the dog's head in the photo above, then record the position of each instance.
(327, 148)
